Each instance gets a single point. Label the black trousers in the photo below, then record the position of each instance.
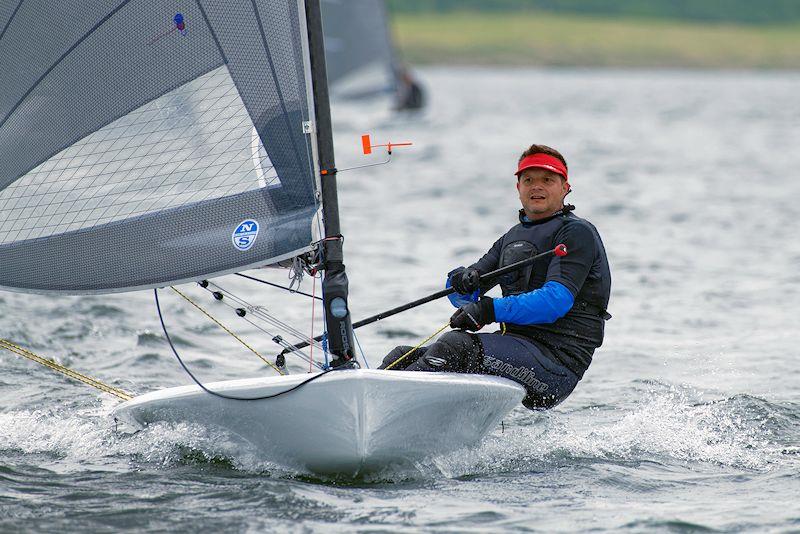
(547, 382)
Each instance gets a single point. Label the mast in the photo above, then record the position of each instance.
(334, 283)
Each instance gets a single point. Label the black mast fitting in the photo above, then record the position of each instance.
(334, 283)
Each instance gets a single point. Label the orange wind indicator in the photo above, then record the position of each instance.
(367, 146)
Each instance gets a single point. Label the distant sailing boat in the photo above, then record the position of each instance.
(128, 161)
(361, 57)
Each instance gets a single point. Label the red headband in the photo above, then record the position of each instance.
(543, 161)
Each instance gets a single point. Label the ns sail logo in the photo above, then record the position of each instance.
(244, 237)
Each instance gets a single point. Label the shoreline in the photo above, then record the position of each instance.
(571, 41)
(644, 69)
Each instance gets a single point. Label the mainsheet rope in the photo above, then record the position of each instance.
(66, 371)
(125, 396)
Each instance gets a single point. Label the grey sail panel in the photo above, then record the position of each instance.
(132, 140)
(359, 53)
(173, 248)
(149, 160)
(269, 73)
(103, 62)
(7, 11)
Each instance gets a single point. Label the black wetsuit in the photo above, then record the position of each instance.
(547, 359)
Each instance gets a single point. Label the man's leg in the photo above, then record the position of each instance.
(397, 353)
(546, 381)
(455, 352)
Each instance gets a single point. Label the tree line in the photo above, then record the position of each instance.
(738, 11)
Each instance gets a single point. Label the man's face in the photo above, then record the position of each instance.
(541, 192)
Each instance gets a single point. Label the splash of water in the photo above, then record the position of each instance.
(91, 437)
(666, 425)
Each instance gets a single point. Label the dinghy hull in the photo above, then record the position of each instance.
(346, 422)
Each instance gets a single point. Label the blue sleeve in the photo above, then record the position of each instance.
(457, 299)
(487, 263)
(544, 305)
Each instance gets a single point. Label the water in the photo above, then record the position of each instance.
(688, 420)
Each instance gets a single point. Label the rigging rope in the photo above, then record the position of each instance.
(215, 393)
(55, 366)
(363, 356)
(296, 272)
(290, 290)
(228, 330)
(260, 313)
(404, 356)
(313, 310)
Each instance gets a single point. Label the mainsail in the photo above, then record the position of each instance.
(146, 142)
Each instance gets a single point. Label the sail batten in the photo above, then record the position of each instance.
(154, 141)
(7, 15)
(59, 60)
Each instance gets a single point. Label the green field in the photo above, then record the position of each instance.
(568, 40)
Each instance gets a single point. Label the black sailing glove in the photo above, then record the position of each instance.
(474, 316)
(464, 280)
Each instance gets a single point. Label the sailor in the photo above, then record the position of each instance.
(410, 95)
(552, 314)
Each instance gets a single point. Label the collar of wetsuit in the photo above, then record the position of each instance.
(526, 221)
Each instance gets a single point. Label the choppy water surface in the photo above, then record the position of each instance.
(688, 420)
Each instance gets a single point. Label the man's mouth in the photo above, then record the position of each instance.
(537, 197)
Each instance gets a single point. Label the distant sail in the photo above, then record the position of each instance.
(141, 145)
(359, 52)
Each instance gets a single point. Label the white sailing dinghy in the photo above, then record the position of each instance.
(348, 421)
(147, 143)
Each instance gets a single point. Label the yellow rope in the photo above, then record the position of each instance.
(16, 349)
(404, 356)
(228, 330)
